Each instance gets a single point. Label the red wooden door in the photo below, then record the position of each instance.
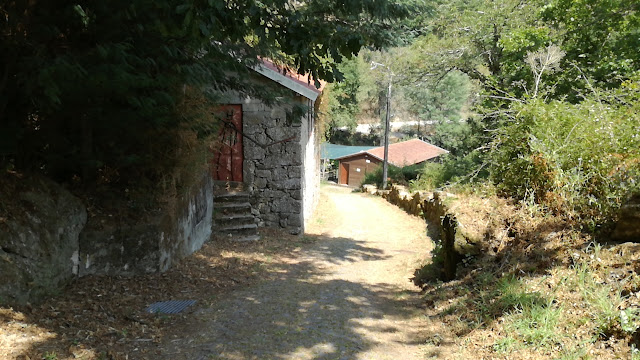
(344, 174)
(228, 153)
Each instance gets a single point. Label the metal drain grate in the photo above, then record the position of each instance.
(169, 307)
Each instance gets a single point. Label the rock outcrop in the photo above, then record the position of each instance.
(39, 227)
(46, 238)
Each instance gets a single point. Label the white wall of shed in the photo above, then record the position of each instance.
(311, 164)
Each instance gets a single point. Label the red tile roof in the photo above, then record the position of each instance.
(407, 153)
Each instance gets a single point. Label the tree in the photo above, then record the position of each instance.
(85, 85)
(601, 40)
(439, 100)
(343, 104)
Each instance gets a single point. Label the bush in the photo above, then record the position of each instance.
(394, 174)
(458, 169)
(411, 172)
(581, 160)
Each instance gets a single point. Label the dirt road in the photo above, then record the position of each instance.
(344, 295)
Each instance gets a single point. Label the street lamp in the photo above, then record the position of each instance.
(387, 124)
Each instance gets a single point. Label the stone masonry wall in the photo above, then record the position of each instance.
(273, 171)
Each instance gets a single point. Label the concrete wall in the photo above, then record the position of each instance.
(190, 225)
(152, 243)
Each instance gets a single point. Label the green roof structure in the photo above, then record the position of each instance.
(334, 151)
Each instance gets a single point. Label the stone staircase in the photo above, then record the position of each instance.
(232, 216)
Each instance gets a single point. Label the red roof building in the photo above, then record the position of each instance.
(353, 168)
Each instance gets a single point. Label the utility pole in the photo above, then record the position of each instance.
(385, 162)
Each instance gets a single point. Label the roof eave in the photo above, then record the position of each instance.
(287, 82)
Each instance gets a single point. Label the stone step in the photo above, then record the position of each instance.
(238, 238)
(225, 220)
(232, 216)
(233, 197)
(231, 208)
(255, 237)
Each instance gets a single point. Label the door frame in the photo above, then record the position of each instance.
(227, 163)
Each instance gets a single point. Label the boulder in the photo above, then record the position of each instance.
(40, 223)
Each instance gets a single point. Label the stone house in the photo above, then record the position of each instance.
(268, 159)
(265, 175)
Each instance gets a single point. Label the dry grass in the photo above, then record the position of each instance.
(543, 290)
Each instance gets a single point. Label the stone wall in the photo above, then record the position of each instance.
(280, 171)
(444, 226)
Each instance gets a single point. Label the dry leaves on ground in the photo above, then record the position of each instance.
(100, 317)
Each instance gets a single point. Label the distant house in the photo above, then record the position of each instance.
(330, 152)
(354, 167)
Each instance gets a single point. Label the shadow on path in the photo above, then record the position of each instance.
(305, 312)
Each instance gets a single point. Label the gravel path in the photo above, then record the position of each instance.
(344, 296)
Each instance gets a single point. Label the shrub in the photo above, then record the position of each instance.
(458, 169)
(394, 174)
(580, 160)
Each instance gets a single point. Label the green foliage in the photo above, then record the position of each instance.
(85, 88)
(375, 177)
(451, 169)
(440, 99)
(345, 137)
(432, 176)
(342, 97)
(513, 297)
(395, 174)
(536, 325)
(468, 36)
(460, 137)
(603, 301)
(558, 90)
(530, 319)
(581, 160)
(50, 356)
(600, 37)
